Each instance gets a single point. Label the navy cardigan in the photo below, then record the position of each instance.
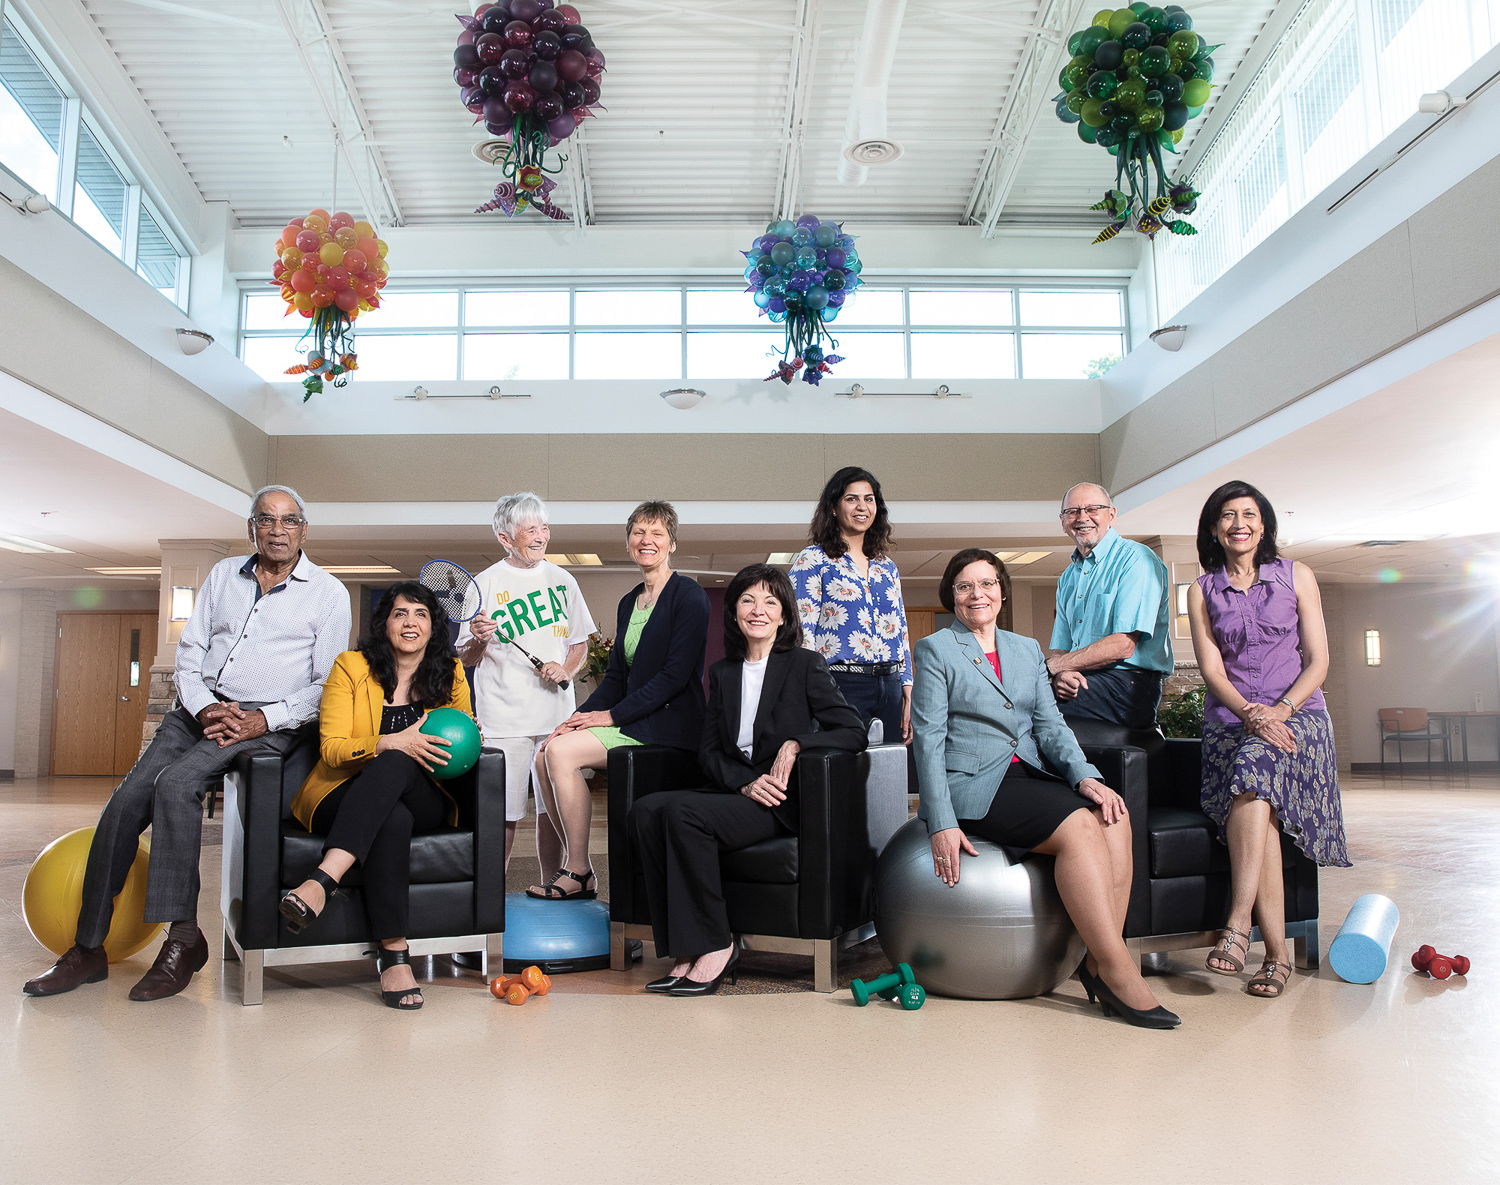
(658, 698)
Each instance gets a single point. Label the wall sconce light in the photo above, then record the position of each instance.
(683, 398)
(182, 602)
(1169, 337)
(193, 341)
(1372, 648)
(1182, 600)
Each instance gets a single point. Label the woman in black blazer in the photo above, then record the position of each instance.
(767, 701)
(651, 693)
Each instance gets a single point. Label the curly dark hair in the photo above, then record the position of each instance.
(1210, 550)
(432, 685)
(824, 530)
(788, 634)
(962, 560)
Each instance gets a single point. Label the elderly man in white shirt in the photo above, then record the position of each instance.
(249, 673)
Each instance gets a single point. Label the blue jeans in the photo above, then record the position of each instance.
(874, 697)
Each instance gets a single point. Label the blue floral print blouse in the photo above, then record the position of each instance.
(847, 618)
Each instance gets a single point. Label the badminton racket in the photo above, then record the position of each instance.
(458, 593)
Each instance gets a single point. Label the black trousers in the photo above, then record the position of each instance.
(679, 834)
(373, 816)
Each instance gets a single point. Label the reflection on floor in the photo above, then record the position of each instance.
(599, 1082)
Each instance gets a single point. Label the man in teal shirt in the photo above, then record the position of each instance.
(1110, 647)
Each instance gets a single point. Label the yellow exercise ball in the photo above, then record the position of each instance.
(53, 894)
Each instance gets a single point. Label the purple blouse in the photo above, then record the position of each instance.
(1256, 632)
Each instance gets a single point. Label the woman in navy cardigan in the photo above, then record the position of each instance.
(651, 693)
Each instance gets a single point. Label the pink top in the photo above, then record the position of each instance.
(994, 657)
(1256, 633)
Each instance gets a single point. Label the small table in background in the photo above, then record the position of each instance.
(1463, 719)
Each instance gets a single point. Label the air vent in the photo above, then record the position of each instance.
(874, 152)
(490, 151)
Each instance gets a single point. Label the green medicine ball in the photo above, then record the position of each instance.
(461, 733)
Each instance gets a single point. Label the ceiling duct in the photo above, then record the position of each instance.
(865, 139)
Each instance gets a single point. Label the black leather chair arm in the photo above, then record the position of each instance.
(259, 818)
(480, 795)
(835, 859)
(635, 771)
(1124, 770)
(1182, 783)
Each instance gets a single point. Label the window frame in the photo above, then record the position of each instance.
(574, 284)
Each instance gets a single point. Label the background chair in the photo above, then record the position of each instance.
(1411, 724)
(1179, 897)
(457, 874)
(812, 893)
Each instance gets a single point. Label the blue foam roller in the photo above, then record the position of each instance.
(1363, 946)
(557, 936)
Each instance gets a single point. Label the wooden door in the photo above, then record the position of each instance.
(100, 698)
(136, 653)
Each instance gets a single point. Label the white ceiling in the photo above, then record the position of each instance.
(702, 118)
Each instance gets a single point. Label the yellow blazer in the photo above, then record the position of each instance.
(349, 727)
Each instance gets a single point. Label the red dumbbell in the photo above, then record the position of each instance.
(1423, 957)
(1460, 964)
(1440, 968)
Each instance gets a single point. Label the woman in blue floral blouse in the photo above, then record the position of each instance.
(849, 599)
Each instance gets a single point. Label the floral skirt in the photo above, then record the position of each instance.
(1303, 788)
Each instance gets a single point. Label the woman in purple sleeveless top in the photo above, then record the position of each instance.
(1268, 760)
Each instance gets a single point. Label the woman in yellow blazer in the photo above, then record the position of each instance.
(371, 790)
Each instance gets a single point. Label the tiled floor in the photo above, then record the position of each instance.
(1395, 1081)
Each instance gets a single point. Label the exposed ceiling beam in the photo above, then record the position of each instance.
(1035, 79)
(311, 31)
(800, 66)
(578, 180)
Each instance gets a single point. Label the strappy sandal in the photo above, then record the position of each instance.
(384, 961)
(1229, 939)
(298, 913)
(1272, 977)
(588, 887)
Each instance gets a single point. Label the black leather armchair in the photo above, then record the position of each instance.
(811, 893)
(457, 874)
(1179, 897)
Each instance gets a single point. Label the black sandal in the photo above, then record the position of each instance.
(550, 891)
(384, 961)
(298, 913)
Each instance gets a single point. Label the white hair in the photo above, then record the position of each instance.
(515, 510)
(1093, 485)
(287, 490)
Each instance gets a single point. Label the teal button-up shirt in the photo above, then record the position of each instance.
(1119, 588)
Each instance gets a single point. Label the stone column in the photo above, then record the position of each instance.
(36, 688)
(185, 563)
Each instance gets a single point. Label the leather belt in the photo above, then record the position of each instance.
(866, 668)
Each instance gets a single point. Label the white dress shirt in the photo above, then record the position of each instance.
(274, 648)
(754, 675)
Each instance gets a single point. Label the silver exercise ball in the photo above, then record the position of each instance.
(1001, 933)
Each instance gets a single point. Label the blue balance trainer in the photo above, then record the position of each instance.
(1363, 946)
(557, 936)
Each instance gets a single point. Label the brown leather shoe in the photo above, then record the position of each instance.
(79, 964)
(173, 970)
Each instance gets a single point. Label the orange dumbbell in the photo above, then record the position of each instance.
(537, 982)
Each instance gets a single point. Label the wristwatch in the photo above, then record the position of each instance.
(1287, 702)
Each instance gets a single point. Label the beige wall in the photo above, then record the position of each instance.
(56, 347)
(689, 467)
(1442, 261)
(10, 673)
(34, 684)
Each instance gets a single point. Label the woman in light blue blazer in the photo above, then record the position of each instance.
(985, 720)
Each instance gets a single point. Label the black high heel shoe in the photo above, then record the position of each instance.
(298, 913)
(1150, 1018)
(707, 987)
(1090, 982)
(665, 984)
(384, 961)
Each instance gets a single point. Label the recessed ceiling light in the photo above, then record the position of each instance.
(127, 571)
(1022, 557)
(30, 546)
(781, 557)
(574, 559)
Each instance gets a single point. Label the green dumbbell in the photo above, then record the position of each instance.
(891, 984)
(912, 996)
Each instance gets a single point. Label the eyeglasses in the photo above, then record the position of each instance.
(964, 588)
(1083, 511)
(268, 522)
